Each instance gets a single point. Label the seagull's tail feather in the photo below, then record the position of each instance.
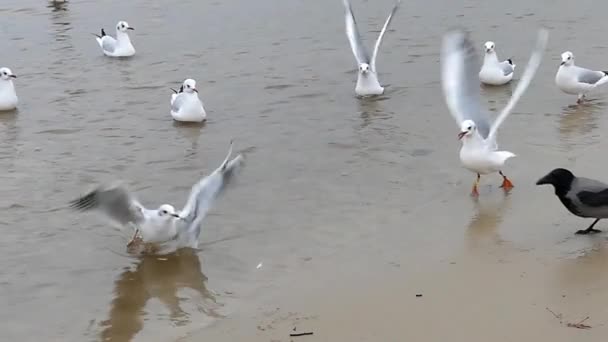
(502, 156)
(602, 80)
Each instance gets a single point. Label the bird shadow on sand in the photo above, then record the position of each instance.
(159, 279)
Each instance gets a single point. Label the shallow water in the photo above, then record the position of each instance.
(327, 174)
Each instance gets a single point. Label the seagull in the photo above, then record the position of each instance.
(575, 80)
(119, 47)
(185, 104)
(164, 227)
(8, 97)
(583, 197)
(479, 152)
(494, 72)
(367, 80)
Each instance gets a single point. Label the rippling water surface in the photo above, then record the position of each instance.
(326, 173)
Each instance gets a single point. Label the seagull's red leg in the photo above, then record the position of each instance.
(474, 192)
(506, 183)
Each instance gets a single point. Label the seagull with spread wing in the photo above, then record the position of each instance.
(459, 62)
(165, 227)
(367, 79)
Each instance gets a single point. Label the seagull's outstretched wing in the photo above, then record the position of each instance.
(114, 200)
(459, 78)
(524, 81)
(207, 190)
(354, 38)
(379, 40)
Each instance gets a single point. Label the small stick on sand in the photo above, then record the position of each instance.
(578, 325)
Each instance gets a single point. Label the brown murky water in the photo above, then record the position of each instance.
(330, 179)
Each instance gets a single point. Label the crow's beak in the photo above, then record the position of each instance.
(461, 134)
(544, 180)
(13, 76)
(130, 28)
(562, 63)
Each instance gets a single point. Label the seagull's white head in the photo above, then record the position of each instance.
(467, 128)
(489, 46)
(166, 211)
(190, 86)
(364, 68)
(567, 58)
(123, 26)
(6, 74)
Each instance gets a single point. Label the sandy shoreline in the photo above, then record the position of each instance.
(504, 296)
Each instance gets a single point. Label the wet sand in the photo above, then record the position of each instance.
(351, 206)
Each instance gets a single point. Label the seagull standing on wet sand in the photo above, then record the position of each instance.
(479, 152)
(492, 71)
(367, 79)
(119, 47)
(164, 227)
(8, 96)
(186, 106)
(583, 197)
(575, 80)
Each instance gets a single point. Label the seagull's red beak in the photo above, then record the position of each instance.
(461, 134)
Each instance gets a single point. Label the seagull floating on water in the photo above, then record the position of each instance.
(164, 227)
(479, 152)
(494, 72)
(119, 47)
(574, 80)
(186, 105)
(8, 96)
(367, 79)
(583, 197)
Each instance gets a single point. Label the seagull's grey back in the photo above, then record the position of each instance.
(588, 76)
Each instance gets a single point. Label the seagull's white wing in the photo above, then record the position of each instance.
(354, 38)
(459, 69)
(205, 191)
(107, 43)
(114, 200)
(379, 40)
(177, 100)
(524, 81)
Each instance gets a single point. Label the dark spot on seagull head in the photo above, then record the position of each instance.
(364, 68)
(567, 58)
(6, 74)
(561, 179)
(123, 26)
(467, 127)
(489, 46)
(189, 86)
(167, 210)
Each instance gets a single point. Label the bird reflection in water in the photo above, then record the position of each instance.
(487, 217)
(156, 277)
(578, 120)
